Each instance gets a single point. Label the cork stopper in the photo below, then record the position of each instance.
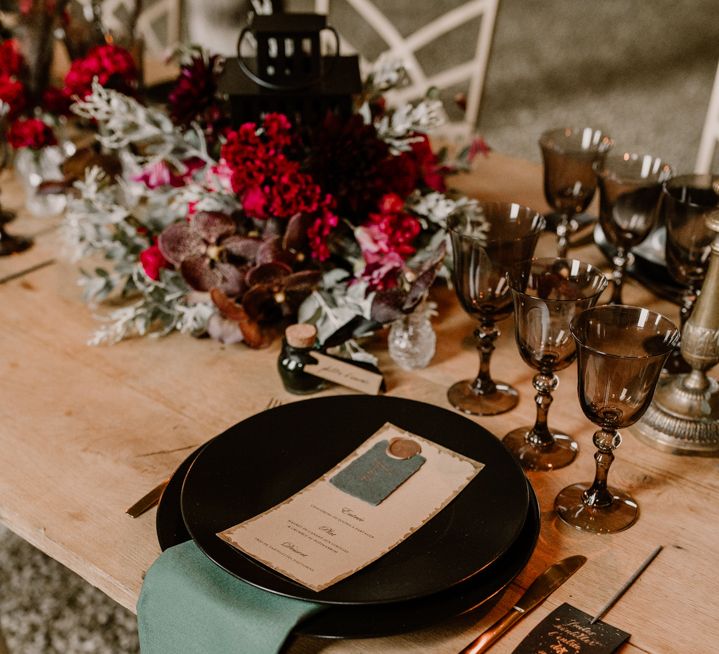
(302, 335)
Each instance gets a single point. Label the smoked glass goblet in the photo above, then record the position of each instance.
(486, 243)
(545, 302)
(686, 202)
(629, 190)
(621, 351)
(569, 179)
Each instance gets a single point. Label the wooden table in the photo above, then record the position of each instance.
(85, 431)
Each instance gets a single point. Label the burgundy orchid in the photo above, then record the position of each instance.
(200, 249)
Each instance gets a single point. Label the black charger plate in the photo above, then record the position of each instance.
(478, 594)
(265, 459)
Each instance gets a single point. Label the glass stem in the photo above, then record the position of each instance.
(606, 441)
(620, 261)
(485, 336)
(545, 383)
(563, 230)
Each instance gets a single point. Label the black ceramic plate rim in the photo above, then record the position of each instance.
(432, 609)
(288, 588)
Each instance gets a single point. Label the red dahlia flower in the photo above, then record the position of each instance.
(12, 93)
(112, 65)
(30, 133)
(11, 62)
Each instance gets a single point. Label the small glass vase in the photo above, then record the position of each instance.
(35, 167)
(412, 339)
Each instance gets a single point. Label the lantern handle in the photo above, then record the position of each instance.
(282, 87)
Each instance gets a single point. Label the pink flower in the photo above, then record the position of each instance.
(161, 173)
(382, 274)
(219, 178)
(155, 175)
(152, 261)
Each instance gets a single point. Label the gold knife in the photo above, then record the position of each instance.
(541, 588)
(147, 501)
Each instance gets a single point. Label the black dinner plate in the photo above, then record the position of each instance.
(267, 458)
(478, 594)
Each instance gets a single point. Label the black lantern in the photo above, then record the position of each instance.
(289, 74)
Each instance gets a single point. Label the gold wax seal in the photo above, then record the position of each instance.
(403, 448)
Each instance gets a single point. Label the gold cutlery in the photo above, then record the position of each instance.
(541, 588)
(147, 501)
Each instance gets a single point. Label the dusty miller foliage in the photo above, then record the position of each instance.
(108, 220)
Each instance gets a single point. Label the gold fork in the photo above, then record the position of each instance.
(147, 501)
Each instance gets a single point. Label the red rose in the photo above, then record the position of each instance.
(12, 92)
(112, 65)
(30, 133)
(10, 58)
(429, 170)
(254, 203)
(152, 261)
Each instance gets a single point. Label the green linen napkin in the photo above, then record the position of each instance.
(189, 605)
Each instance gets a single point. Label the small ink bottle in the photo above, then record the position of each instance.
(297, 346)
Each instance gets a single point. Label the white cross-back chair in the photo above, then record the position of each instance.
(159, 23)
(472, 71)
(710, 133)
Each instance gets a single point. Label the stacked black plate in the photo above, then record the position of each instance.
(461, 560)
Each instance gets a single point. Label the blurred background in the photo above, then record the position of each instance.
(642, 71)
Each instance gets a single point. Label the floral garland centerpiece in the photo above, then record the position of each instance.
(236, 231)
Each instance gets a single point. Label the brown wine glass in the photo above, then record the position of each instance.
(486, 242)
(8, 244)
(545, 301)
(686, 202)
(569, 180)
(629, 189)
(621, 351)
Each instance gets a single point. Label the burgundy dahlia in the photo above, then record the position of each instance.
(349, 161)
(194, 96)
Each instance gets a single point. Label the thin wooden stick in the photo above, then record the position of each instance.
(617, 596)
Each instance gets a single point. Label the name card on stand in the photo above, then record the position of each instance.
(345, 374)
(567, 630)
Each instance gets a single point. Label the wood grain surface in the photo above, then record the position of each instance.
(85, 431)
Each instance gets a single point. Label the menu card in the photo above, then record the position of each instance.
(365, 506)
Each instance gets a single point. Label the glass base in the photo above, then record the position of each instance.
(619, 515)
(462, 396)
(13, 245)
(557, 455)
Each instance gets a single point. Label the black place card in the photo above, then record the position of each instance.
(566, 630)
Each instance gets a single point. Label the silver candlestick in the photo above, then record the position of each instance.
(684, 415)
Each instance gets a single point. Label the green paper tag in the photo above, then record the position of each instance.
(375, 475)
